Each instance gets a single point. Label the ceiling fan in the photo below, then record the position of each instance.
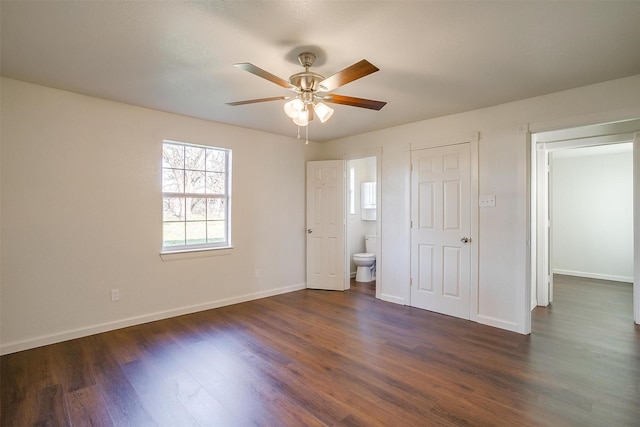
(312, 89)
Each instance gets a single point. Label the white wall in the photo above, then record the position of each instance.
(82, 213)
(592, 213)
(503, 171)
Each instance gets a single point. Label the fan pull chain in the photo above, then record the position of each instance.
(306, 130)
(298, 132)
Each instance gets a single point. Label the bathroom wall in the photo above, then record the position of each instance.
(357, 228)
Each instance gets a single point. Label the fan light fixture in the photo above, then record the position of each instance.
(323, 111)
(301, 112)
(311, 89)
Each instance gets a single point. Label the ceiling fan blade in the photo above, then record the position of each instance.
(355, 102)
(264, 74)
(349, 74)
(253, 101)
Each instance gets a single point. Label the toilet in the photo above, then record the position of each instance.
(366, 262)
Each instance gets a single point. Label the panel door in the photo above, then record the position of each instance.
(326, 247)
(440, 230)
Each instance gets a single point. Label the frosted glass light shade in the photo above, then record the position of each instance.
(293, 107)
(302, 119)
(323, 111)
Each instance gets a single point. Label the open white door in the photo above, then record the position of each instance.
(441, 230)
(544, 278)
(326, 225)
(636, 227)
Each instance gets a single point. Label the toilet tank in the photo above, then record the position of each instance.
(370, 243)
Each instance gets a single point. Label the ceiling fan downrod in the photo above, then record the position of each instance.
(306, 81)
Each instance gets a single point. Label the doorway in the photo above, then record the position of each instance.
(361, 214)
(556, 144)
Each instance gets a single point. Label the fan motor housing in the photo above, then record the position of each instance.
(306, 80)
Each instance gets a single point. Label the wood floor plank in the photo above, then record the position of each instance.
(70, 363)
(156, 397)
(122, 402)
(50, 407)
(86, 407)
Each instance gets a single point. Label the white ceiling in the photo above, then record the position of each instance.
(435, 57)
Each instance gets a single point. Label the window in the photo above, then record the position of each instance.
(195, 197)
(352, 190)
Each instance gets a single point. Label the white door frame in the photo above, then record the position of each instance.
(540, 224)
(636, 228)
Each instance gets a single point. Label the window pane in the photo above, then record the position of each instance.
(194, 158)
(196, 233)
(216, 209)
(194, 182)
(196, 209)
(173, 234)
(216, 231)
(173, 209)
(172, 156)
(352, 195)
(216, 160)
(215, 183)
(172, 180)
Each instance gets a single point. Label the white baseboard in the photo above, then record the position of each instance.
(392, 298)
(15, 346)
(594, 275)
(497, 323)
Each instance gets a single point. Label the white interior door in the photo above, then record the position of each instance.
(544, 278)
(326, 247)
(441, 230)
(636, 227)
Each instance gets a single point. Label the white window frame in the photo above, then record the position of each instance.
(225, 196)
(352, 190)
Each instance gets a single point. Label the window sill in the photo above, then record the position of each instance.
(195, 253)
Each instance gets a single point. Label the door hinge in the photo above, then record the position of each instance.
(410, 282)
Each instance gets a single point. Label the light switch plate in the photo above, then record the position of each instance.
(487, 201)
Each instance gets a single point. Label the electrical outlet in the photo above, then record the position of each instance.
(258, 272)
(115, 294)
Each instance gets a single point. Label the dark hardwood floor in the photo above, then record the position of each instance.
(341, 358)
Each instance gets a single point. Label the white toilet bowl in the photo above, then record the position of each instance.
(366, 263)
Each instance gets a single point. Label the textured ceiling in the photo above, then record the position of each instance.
(435, 57)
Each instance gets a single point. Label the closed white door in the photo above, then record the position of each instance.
(326, 225)
(441, 230)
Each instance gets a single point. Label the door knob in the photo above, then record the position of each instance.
(309, 231)
(465, 240)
